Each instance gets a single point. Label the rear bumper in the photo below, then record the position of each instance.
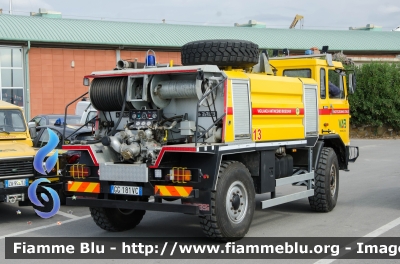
(150, 206)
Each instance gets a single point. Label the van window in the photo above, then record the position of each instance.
(12, 121)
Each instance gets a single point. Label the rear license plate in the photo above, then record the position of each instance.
(129, 190)
(16, 183)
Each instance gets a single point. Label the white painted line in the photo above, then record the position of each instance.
(367, 146)
(380, 231)
(43, 227)
(73, 219)
(384, 229)
(67, 215)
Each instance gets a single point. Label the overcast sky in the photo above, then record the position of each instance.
(333, 14)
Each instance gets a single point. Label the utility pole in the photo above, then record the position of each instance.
(10, 11)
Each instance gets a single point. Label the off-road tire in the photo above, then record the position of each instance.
(113, 220)
(220, 52)
(326, 182)
(219, 224)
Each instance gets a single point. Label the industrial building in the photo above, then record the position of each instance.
(43, 57)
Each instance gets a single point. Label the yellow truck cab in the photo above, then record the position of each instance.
(334, 112)
(16, 156)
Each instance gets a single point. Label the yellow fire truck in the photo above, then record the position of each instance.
(212, 134)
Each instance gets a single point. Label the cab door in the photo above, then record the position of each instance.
(339, 106)
(325, 126)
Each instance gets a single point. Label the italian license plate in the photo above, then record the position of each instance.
(16, 183)
(129, 190)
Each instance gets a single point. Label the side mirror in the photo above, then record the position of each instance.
(352, 83)
(32, 129)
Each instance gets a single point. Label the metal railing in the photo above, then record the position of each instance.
(199, 103)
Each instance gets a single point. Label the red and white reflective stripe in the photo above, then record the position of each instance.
(137, 73)
(171, 149)
(334, 111)
(278, 111)
(88, 148)
(340, 111)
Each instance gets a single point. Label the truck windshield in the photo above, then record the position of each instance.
(12, 121)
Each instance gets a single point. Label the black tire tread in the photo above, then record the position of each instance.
(220, 52)
(101, 218)
(209, 223)
(319, 202)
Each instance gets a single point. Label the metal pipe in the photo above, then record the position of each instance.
(171, 126)
(176, 89)
(27, 85)
(65, 113)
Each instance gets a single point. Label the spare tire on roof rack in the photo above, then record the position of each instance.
(220, 52)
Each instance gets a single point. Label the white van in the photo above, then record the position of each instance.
(81, 106)
(85, 110)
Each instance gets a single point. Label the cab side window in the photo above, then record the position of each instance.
(322, 83)
(335, 80)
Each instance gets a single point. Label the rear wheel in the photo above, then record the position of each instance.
(326, 182)
(233, 204)
(220, 52)
(115, 219)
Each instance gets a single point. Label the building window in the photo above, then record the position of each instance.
(11, 75)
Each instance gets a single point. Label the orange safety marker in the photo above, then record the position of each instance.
(181, 191)
(88, 187)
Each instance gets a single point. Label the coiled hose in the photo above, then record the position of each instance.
(109, 94)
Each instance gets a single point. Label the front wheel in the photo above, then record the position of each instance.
(233, 204)
(326, 182)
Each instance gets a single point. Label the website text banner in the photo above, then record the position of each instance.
(201, 248)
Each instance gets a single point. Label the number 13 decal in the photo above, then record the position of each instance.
(257, 134)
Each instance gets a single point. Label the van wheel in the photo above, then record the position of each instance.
(326, 182)
(232, 204)
(220, 52)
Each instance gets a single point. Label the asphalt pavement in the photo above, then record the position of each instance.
(368, 205)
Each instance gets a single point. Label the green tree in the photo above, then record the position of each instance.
(376, 101)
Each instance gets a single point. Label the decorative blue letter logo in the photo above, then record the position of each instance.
(34, 199)
(41, 154)
(43, 168)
